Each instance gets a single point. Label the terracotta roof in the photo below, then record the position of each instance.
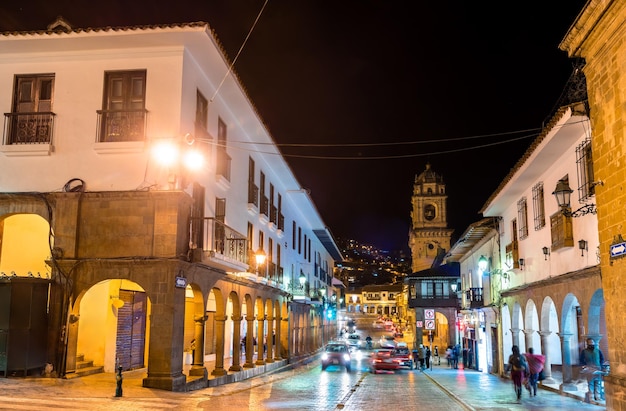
(576, 108)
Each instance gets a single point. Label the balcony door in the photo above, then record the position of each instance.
(31, 119)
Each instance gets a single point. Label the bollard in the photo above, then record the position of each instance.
(118, 378)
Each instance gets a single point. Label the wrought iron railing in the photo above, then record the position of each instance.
(253, 194)
(121, 125)
(265, 205)
(474, 296)
(28, 128)
(218, 238)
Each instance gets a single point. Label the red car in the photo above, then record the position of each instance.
(384, 360)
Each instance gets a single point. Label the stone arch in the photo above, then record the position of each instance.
(507, 334)
(596, 321)
(550, 330)
(517, 326)
(193, 340)
(20, 232)
(531, 332)
(100, 313)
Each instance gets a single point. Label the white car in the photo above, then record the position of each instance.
(387, 341)
(354, 341)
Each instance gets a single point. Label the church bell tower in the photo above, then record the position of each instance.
(429, 237)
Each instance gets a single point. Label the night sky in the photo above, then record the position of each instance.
(376, 89)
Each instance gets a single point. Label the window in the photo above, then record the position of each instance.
(522, 217)
(253, 190)
(123, 114)
(264, 200)
(584, 160)
(223, 159)
(561, 231)
(31, 121)
(539, 210)
(202, 114)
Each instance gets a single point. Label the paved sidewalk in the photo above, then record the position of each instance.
(473, 389)
(481, 390)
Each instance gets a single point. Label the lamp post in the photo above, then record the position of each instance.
(302, 279)
(562, 192)
(260, 258)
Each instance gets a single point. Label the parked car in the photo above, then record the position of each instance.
(336, 353)
(379, 324)
(404, 356)
(384, 360)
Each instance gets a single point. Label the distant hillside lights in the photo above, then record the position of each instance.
(176, 161)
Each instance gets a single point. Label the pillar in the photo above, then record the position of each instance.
(220, 322)
(260, 327)
(249, 342)
(528, 337)
(545, 350)
(567, 384)
(271, 339)
(515, 336)
(236, 364)
(277, 339)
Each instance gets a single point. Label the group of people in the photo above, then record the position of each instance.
(527, 369)
(452, 356)
(423, 356)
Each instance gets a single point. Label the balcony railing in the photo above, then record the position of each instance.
(28, 128)
(474, 296)
(218, 238)
(299, 292)
(253, 194)
(265, 206)
(121, 125)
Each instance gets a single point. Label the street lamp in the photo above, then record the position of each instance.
(563, 193)
(260, 258)
(483, 263)
(302, 279)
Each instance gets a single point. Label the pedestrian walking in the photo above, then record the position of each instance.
(436, 355)
(421, 355)
(518, 367)
(592, 359)
(535, 366)
(456, 353)
(449, 355)
(427, 354)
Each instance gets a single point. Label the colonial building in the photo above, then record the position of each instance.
(546, 268)
(429, 236)
(598, 35)
(477, 252)
(116, 251)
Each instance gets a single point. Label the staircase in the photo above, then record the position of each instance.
(84, 368)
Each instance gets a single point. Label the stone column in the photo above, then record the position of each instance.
(567, 384)
(249, 342)
(198, 352)
(528, 337)
(259, 338)
(271, 339)
(278, 352)
(286, 338)
(197, 367)
(220, 323)
(236, 365)
(515, 336)
(545, 350)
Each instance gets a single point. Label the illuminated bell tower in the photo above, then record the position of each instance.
(429, 234)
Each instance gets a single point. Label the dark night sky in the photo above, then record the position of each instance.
(457, 79)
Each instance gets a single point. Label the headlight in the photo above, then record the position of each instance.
(346, 357)
(324, 356)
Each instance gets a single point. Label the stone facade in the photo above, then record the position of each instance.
(599, 36)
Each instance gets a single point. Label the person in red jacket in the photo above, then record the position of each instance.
(535, 366)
